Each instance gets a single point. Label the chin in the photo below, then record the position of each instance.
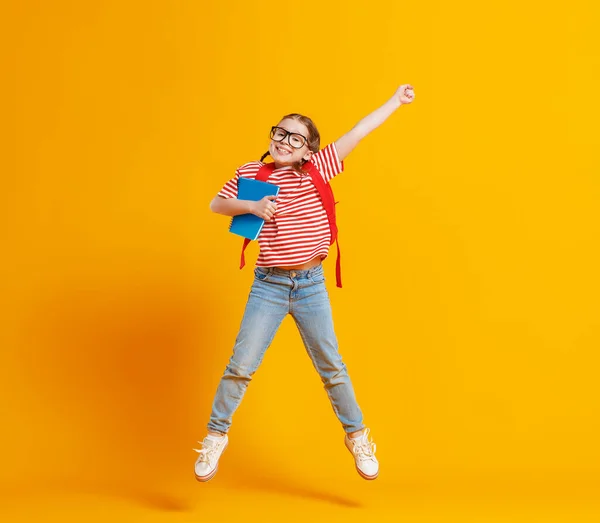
(282, 160)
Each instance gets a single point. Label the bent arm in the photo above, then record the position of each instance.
(347, 143)
(264, 208)
(230, 206)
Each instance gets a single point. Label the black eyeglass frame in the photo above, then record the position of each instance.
(287, 135)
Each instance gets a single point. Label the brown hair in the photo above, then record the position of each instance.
(314, 138)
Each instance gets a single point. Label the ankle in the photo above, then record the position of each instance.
(356, 434)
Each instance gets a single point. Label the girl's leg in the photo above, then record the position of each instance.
(312, 312)
(267, 305)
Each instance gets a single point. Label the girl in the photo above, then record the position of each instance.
(289, 277)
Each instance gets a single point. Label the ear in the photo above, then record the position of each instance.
(307, 156)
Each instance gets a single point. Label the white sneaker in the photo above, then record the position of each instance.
(208, 461)
(363, 451)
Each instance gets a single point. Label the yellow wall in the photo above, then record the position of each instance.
(468, 224)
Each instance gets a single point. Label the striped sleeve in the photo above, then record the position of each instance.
(248, 170)
(230, 189)
(328, 162)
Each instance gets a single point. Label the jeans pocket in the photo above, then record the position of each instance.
(261, 273)
(318, 277)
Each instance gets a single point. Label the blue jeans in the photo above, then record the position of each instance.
(276, 293)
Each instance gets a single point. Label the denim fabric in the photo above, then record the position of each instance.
(276, 293)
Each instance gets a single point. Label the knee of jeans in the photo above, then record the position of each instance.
(337, 376)
(239, 371)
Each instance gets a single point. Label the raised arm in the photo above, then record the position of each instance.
(346, 144)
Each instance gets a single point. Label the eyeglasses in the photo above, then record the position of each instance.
(296, 140)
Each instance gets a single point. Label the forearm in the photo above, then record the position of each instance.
(230, 206)
(370, 122)
(346, 144)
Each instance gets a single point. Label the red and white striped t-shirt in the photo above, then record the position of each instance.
(299, 230)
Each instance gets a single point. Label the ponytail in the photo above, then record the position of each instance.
(264, 156)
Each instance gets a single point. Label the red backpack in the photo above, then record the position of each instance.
(328, 200)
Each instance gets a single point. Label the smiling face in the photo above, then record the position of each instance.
(282, 152)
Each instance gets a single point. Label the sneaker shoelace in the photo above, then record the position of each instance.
(364, 448)
(207, 452)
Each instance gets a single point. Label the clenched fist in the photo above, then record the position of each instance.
(405, 94)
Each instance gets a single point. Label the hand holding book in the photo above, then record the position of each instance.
(264, 208)
(261, 196)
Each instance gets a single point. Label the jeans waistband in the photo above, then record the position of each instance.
(293, 273)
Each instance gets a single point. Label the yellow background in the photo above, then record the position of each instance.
(469, 225)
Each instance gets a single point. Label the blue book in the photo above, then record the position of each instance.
(250, 225)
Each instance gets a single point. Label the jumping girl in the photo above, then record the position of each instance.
(299, 228)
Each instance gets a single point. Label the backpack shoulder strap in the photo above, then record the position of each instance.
(265, 171)
(326, 194)
(262, 176)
